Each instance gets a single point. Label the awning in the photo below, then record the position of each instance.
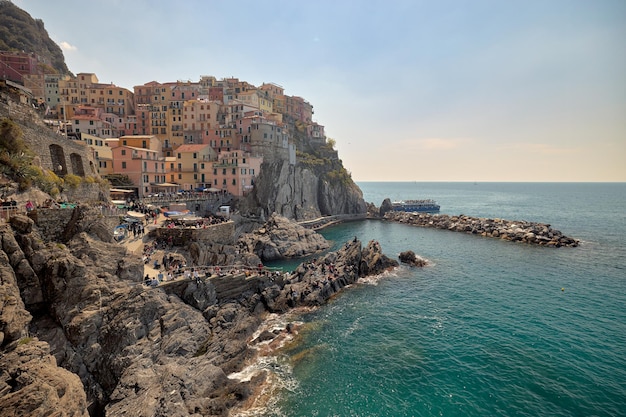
(212, 190)
(119, 190)
(165, 185)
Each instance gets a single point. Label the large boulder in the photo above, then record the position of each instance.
(31, 383)
(281, 238)
(385, 207)
(410, 258)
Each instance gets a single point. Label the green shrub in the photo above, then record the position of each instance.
(72, 180)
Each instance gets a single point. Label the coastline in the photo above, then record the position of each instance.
(315, 282)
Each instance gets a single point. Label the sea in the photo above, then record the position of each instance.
(488, 328)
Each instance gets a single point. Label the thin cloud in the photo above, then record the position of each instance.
(66, 46)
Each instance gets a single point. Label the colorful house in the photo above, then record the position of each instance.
(193, 165)
(236, 172)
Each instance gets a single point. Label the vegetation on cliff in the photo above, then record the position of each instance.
(20, 32)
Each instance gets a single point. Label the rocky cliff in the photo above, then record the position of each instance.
(280, 238)
(80, 335)
(304, 191)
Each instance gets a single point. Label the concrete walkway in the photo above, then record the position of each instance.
(135, 246)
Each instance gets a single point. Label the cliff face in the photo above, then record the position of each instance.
(105, 343)
(304, 192)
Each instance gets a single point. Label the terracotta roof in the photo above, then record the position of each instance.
(191, 147)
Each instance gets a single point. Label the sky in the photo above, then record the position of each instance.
(410, 90)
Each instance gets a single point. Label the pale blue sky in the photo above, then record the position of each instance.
(410, 90)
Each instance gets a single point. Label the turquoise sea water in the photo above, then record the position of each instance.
(492, 328)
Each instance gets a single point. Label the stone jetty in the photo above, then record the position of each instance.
(512, 230)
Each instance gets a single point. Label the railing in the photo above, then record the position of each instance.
(6, 211)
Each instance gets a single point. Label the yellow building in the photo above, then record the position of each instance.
(102, 152)
(142, 141)
(193, 166)
(85, 90)
(258, 99)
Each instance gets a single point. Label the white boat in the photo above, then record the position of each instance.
(136, 215)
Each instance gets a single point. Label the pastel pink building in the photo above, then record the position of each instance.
(144, 167)
(236, 172)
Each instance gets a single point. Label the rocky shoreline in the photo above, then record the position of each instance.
(80, 335)
(511, 230)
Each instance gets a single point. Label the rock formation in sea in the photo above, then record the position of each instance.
(80, 334)
(410, 258)
(314, 282)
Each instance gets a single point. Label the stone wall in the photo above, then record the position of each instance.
(222, 233)
(85, 193)
(54, 151)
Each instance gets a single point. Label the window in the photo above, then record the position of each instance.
(123, 151)
(123, 164)
(195, 155)
(234, 171)
(224, 172)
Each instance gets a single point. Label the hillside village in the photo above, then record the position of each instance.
(213, 134)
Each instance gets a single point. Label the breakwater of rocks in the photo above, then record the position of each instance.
(512, 230)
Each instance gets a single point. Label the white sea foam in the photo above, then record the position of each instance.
(279, 378)
(375, 279)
